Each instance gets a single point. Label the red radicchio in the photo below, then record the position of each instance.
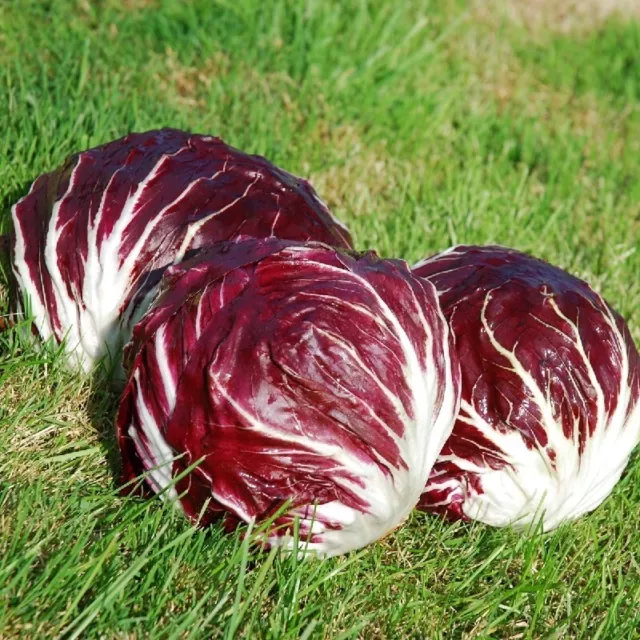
(93, 237)
(550, 391)
(295, 374)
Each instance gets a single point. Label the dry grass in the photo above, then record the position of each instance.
(129, 6)
(561, 16)
(52, 427)
(498, 76)
(186, 85)
(360, 176)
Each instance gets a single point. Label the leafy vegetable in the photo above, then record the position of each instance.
(94, 236)
(290, 374)
(550, 390)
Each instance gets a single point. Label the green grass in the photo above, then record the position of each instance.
(422, 124)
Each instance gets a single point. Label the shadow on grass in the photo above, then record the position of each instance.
(21, 349)
(102, 409)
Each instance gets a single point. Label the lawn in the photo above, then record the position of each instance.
(422, 124)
